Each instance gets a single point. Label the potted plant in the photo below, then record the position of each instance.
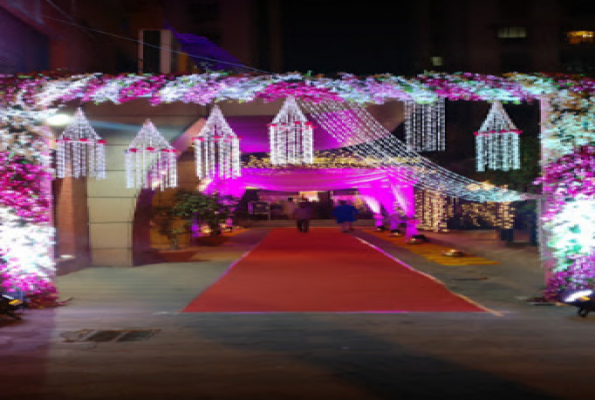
(168, 225)
(196, 208)
(171, 227)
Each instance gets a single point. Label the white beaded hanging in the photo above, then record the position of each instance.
(79, 150)
(291, 136)
(424, 125)
(497, 141)
(373, 144)
(217, 149)
(150, 160)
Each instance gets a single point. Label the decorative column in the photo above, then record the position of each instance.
(26, 232)
(568, 166)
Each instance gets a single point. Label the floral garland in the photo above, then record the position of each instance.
(26, 236)
(570, 177)
(20, 188)
(569, 183)
(210, 87)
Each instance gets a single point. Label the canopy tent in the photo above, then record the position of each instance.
(377, 187)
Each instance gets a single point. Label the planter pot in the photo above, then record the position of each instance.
(176, 255)
(211, 240)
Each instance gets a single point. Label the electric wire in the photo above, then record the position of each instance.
(158, 47)
(51, 3)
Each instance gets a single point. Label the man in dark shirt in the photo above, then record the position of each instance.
(345, 214)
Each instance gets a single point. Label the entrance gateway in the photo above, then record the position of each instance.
(339, 107)
(279, 205)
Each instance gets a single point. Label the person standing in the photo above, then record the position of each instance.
(345, 215)
(302, 216)
(289, 207)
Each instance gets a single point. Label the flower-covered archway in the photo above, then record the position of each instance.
(567, 134)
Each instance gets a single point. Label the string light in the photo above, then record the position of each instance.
(495, 215)
(373, 144)
(424, 125)
(506, 214)
(291, 136)
(217, 148)
(335, 159)
(497, 141)
(150, 160)
(431, 210)
(79, 150)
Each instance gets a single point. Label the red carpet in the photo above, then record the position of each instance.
(323, 270)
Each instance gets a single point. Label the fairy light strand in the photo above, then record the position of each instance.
(352, 124)
(217, 149)
(151, 161)
(79, 150)
(424, 125)
(291, 136)
(497, 141)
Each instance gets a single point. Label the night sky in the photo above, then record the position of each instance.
(329, 36)
(339, 36)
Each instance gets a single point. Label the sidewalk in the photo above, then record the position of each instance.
(517, 275)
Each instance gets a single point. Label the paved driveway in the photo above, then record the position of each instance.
(526, 353)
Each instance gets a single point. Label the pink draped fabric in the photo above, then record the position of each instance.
(376, 186)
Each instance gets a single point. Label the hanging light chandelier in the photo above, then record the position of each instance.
(424, 125)
(79, 150)
(291, 136)
(217, 149)
(497, 141)
(151, 160)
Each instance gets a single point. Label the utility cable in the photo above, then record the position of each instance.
(51, 3)
(155, 46)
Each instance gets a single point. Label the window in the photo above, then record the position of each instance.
(577, 37)
(512, 32)
(437, 61)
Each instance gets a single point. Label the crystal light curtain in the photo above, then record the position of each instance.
(497, 141)
(291, 136)
(424, 125)
(151, 161)
(217, 148)
(79, 150)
